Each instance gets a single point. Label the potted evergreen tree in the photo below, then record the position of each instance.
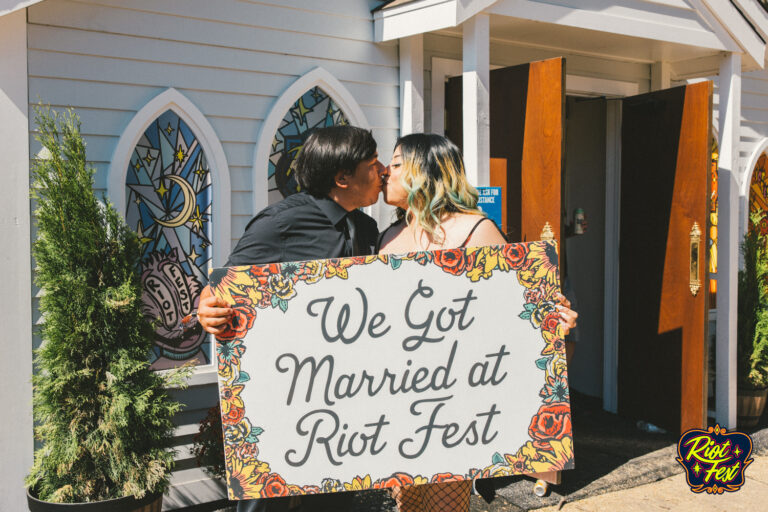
(752, 334)
(103, 418)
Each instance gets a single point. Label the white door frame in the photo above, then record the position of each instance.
(577, 85)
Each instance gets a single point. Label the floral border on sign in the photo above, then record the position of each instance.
(247, 289)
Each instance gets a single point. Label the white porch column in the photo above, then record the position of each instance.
(661, 75)
(728, 238)
(16, 441)
(411, 84)
(476, 99)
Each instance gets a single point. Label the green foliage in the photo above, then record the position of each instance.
(208, 446)
(752, 334)
(103, 417)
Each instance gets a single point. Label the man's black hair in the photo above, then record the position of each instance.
(328, 151)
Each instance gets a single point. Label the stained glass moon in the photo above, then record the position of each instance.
(314, 109)
(168, 197)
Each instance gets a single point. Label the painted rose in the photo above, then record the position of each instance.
(515, 255)
(552, 422)
(452, 261)
(281, 286)
(396, 480)
(311, 271)
(274, 485)
(446, 477)
(551, 322)
(241, 321)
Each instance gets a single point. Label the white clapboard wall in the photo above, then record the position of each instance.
(232, 59)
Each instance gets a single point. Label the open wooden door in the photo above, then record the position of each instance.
(527, 126)
(662, 316)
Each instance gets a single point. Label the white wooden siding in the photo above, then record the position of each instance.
(232, 59)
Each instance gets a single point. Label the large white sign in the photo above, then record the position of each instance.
(374, 371)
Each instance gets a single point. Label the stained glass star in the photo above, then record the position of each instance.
(169, 129)
(148, 158)
(161, 190)
(200, 171)
(137, 200)
(193, 255)
(316, 94)
(197, 220)
(180, 154)
(301, 111)
(137, 165)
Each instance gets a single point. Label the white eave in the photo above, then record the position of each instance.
(9, 6)
(406, 18)
(713, 25)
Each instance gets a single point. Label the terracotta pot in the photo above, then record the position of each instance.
(750, 405)
(149, 503)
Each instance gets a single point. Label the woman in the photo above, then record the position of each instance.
(437, 209)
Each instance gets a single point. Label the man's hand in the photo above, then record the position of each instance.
(567, 315)
(212, 312)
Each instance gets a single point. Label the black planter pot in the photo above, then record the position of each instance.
(149, 503)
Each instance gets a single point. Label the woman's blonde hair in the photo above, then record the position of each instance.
(433, 176)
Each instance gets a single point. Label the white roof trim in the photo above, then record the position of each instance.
(730, 32)
(423, 16)
(9, 6)
(746, 36)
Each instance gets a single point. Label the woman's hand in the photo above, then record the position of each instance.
(567, 315)
(212, 312)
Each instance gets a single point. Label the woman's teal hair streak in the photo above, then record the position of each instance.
(433, 176)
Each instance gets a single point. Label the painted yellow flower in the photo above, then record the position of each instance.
(312, 271)
(541, 264)
(487, 259)
(358, 484)
(230, 397)
(558, 459)
(384, 258)
(557, 365)
(237, 282)
(518, 463)
(338, 268)
(553, 342)
(281, 286)
(242, 480)
(418, 480)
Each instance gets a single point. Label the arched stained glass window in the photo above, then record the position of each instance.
(314, 109)
(168, 202)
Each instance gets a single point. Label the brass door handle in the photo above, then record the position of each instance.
(695, 259)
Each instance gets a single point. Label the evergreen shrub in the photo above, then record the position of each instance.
(103, 418)
(752, 327)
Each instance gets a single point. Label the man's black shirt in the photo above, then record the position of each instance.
(302, 227)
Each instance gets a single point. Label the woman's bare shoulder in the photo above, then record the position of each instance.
(388, 235)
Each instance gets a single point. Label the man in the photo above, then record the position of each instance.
(339, 171)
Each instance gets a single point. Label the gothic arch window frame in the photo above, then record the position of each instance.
(317, 77)
(171, 99)
(760, 147)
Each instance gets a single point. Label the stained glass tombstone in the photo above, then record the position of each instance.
(168, 197)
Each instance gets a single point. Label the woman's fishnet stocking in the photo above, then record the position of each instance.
(444, 497)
